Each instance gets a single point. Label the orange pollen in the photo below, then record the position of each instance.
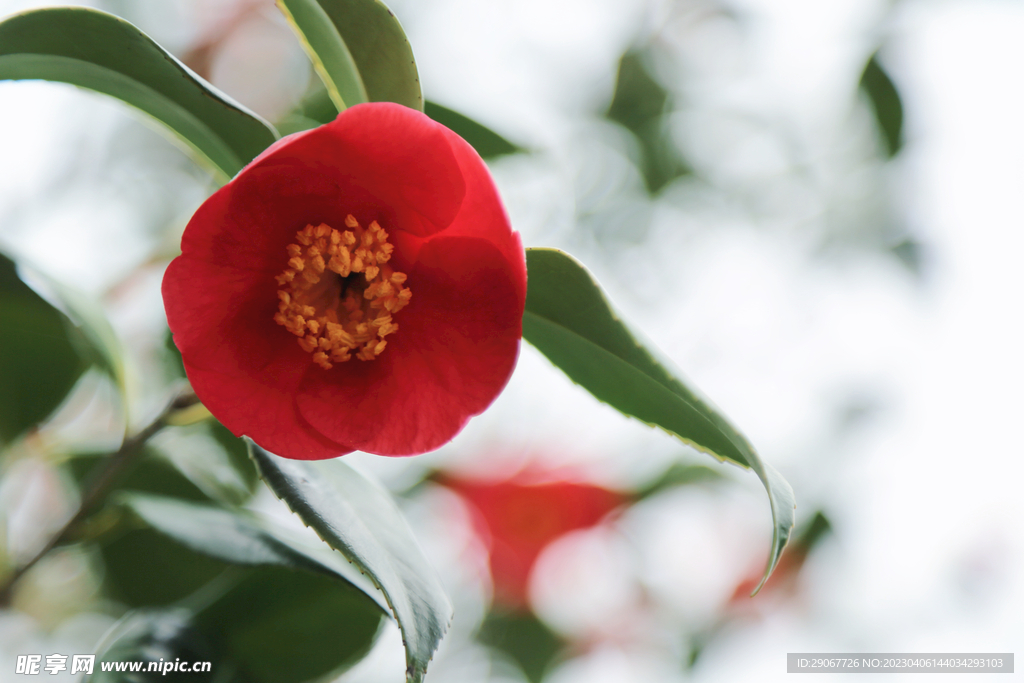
(338, 294)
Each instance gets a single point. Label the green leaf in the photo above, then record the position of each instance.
(98, 343)
(285, 626)
(679, 475)
(150, 473)
(812, 533)
(39, 361)
(99, 51)
(239, 538)
(145, 568)
(303, 613)
(238, 454)
(638, 97)
(208, 455)
(269, 625)
(295, 123)
(360, 519)
(570, 321)
(359, 50)
(524, 638)
(885, 102)
(640, 104)
(485, 141)
(316, 109)
(327, 50)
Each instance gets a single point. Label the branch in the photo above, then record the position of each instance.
(101, 482)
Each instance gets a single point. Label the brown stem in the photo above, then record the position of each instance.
(99, 484)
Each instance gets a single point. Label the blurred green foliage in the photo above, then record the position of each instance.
(679, 474)
(642, 105)
(524, 638)
(286, 626)
(157, 636)
(150, 473)
(811, 533)
(885, 103)
(145, 568)
(39, 355)
(237, 452)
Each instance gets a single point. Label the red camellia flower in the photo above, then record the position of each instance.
(356, 287)
(520, 519)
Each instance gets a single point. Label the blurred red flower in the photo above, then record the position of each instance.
(356, 287)
(521, 519)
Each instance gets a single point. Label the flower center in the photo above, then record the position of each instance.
(338, 293)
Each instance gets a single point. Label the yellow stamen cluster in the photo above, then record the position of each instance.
(338, 293)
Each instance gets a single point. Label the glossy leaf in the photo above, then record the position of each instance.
(39, 361)
(806, 537)
(485, 141)
(239, 538)
(295, 123)
(327, 50)
(315, 109)
(359, 49)
(87, 329)
(101, 52)
(571, 322)
(360, 519)
(279, 610)
(885, 102)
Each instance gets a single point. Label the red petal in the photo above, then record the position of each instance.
(453, 353)
(392, 153)
(251, 408)
(222, 318)
(248, 223)
(483, 215)
(249, 377)
(379, 161)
